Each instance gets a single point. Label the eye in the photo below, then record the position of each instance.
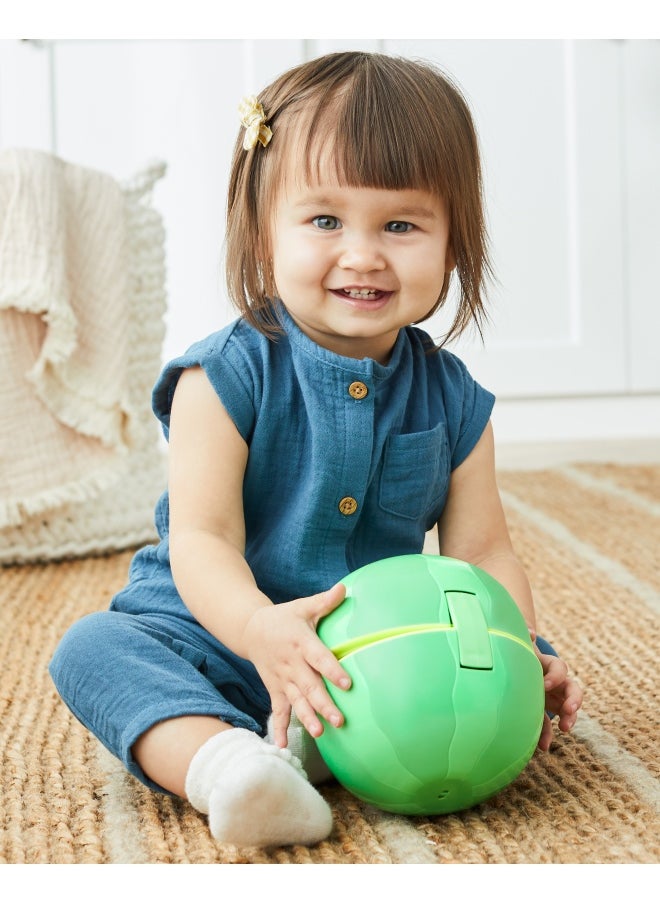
(326, 222)
(399, 227)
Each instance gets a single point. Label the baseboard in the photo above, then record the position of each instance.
(597, 419)
(523, 456)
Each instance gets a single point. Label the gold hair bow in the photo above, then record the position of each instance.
(254, 120)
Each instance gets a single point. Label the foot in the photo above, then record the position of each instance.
(262, 801)
(255, 794)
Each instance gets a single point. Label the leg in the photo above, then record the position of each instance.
(143, 694)
(122, 675)
(544, 646)
(164, 751)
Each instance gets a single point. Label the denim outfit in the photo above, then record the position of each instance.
(349, 462)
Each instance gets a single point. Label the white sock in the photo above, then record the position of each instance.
(255, 794)
(303, 746)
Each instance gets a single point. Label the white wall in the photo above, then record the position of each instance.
(570, 132)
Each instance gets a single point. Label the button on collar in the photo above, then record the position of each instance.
(358, 390)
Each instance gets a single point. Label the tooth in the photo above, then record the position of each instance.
(361, 293)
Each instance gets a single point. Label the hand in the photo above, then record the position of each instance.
(563, 695)
(292, 661)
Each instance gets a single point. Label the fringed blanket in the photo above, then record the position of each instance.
(81, 324)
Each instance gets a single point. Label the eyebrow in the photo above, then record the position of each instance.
(415, 210)
(316, 201)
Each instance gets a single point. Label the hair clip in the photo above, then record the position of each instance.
(254, 120)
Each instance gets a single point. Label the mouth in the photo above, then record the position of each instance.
(362, 294)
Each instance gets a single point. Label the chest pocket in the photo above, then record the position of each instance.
(415, 473)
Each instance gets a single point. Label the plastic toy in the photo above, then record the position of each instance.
(446, 706)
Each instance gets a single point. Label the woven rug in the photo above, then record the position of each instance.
(589, 536)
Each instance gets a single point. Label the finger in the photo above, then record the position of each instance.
(324, 661)
(308, 717)
(567, 722)
(546, 734)
(555, 671)
(311, 697)
(308, 714)
(323, 603)
(280, 721)
(575, 694)
(568, 712)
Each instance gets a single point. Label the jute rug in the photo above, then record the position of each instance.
(589, 536)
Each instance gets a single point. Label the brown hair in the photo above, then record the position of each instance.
(389, 122)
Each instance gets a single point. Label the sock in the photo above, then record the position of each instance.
(303, 746)
(255, 794)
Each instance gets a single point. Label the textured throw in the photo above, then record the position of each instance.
(64, 306)
(589, 535)
(82, 303)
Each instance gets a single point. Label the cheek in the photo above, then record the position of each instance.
(281, 257)
(426, 274)
(296, 261)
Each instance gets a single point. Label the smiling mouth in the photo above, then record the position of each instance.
(362, 294)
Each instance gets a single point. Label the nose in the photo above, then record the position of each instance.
(361, 253)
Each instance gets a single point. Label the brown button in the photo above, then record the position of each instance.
(348, 506)
(358, 390)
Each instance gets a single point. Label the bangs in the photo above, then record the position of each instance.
(374, 143)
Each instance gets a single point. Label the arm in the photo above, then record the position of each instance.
(473, 525)
(207, 460)
(473, 528)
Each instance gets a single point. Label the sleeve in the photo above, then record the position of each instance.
(231, 375)
(468, 406)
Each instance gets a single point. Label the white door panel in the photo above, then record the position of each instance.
(548, 116)
(641, 106)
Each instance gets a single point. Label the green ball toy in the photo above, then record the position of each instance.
(447, 698)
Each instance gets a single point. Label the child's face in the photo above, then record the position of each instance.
(354, 265)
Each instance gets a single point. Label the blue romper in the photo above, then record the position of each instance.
(349, 462)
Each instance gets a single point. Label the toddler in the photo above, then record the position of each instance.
(319, 432)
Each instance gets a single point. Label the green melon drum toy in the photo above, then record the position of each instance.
(446, 705)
